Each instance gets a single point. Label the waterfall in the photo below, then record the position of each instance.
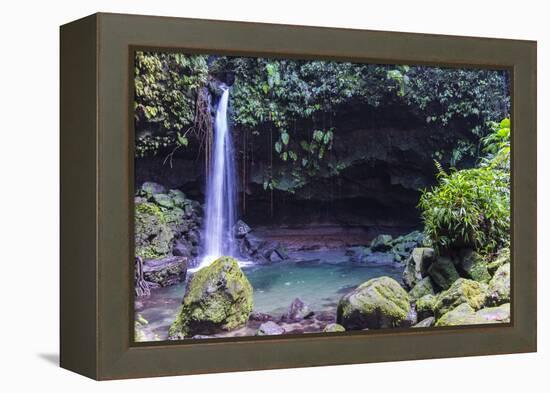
(220, 191)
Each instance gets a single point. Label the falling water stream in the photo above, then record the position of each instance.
(220, 191)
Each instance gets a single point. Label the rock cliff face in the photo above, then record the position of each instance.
(382, 167)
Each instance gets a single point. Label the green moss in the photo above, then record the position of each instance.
(461, 291)
(460, 315)
(149, 208)
(425, 306)
(334, 328)
(218, 297)
(378, 303)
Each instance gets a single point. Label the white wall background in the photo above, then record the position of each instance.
(29, 193)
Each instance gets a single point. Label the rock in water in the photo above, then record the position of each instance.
(499, 287)
(381, 243)
(443, 273)
(461, 315)
(218, 297)
(378, 303)
(297, 311)
(461, 291)
(417, 265)
(269, 328)
(241, 229)
(334, 328)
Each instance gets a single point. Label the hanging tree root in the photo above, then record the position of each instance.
(202, 128)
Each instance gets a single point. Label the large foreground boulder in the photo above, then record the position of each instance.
(461, 291)
(378, 303)
(499, 287)
(218, 297)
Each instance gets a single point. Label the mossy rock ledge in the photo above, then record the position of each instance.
(218, 298)
(378, 303)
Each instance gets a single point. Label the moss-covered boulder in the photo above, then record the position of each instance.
(499, 287)
(460, 315)
(473, 265)
(218, 297)
(443, 273)
(500, 314)
(461, 291)
(502, 258)
(422, 288)
(334, 328)
(425, 306)
(378, 303)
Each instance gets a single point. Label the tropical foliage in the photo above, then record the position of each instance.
(471, 207)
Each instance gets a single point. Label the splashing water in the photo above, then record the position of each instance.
(220, 191)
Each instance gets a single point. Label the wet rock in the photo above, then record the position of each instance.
(200, 336)
(270, 328)
(425, 306)
(218, 298)
(426, 322)
(297, 311)
(166, 271)
(463, 314)
(163, 200)
(260, 317)
(384, 258)
(500, 314)
(422, 288)
(181, 248)
(417, 265)
(502, 258)
(378, 303)
(149, 188)
(412, 317)
(472, 265)
(178, 198)
(334, 328)
(443, 273)
(241, 229)
(461, 291)
(381, 243)
(499, 287)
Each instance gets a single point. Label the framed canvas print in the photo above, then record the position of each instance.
(240, 196)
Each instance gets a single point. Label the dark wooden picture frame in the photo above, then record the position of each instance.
(97, 204)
